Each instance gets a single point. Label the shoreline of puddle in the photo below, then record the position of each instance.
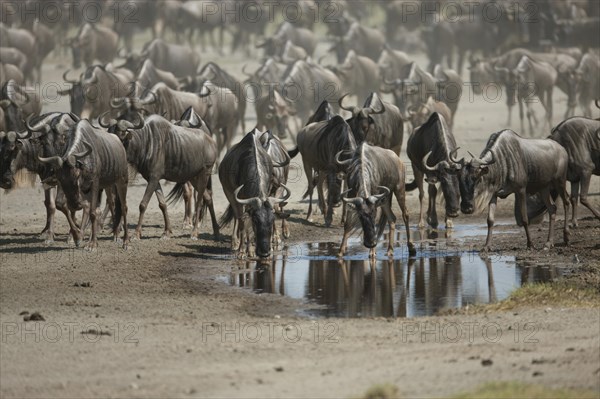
(443, 275)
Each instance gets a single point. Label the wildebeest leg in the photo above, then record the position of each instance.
(530, 116)
(431, 211)
(401, 198)
(321, 194)
(110, 206)
(521, 198)
(49, 202)
(545, 194)
(309, 177)
(199, 184)
(419, 179)
(585, 186)
(328, 211)
(565, 199)
(521, 115)
(90, 207)
(344, 244)
(121, 195)
(548, 106)
(490, 222)
(75, 235)
(284, 225)
(387, 209)
(188, 191)
(162, 204)
(574, 202)
(208, 200)
(152, 186)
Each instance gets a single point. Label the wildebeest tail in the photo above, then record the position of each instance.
(226, 218)
(293, 153)
(118, 211)
(176, 193)
(411, 186)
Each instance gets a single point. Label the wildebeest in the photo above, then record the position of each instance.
(420, 114)
(430, 149)
(292, 53)
(93, 93)
(364, 41)
(391, 63)
(10, 71)
(301, 37)
(373, 175)
(510, 164)
(273, 113)
(93, 160)
(93, 42)
(358, 74)
(377, 122)
(587, 77)
(18, 102)
(150, 75)
(318, 143)
(180, 60)
(581, 138)
(158, 149)
(24, 42)
(246, 176)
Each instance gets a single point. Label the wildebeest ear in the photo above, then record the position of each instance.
(483, 170)
(431, 179)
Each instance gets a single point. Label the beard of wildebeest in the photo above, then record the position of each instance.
(334, 186)
(77, 99)
(450, 185)
(262, 225)
(367, 212)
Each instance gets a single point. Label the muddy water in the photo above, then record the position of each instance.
(440, 276)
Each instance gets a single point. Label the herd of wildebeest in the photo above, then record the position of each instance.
(170, 117)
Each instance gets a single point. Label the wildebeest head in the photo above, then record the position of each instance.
(10, 145)
(75, 45)
(260, 211)
(361, 122)
(68, 170)
(406, 94)
(470, 173)
(12, 98)
(366, 209)
(76, 99)
(273, 112)
(445, 173)
(121, 127)
(481, 73)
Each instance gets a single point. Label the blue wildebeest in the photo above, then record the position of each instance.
(18, 102)
(371, 170)
(158, 149)
(281, 170)
(93, 42)
(510, 164)
(363, 40)
(581, 138)
(587, 78)
(246, 171)
(318, 143)
(358, 74)
(377, 122)
(301, 37)
(93, 160)
(420, 114)
(274, 113)
(430, 149)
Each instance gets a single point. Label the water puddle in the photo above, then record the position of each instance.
(439, 277)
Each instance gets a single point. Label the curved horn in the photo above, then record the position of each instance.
(429, 168)
(4, 103)
(110, 123)
(92, 80)
(117, 102)
(342, 163)
(492, 161)
(373, 112)
(453, 155)
(321, 59)
(54, 161)
(140, 122)
(391, 82)
(341, 101)
(24, 135)
(275, 200)
(83, 154)
(356, 201)
(250, 75)
(44, 127)
(249, 201)
(597, 103)
(374, 198)
(204, 95)
(66, 79)
(151, 101)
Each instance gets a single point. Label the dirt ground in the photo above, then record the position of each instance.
(155, 321)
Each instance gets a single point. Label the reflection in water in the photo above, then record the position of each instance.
(388, 288)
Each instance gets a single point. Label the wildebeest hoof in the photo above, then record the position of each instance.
(449, 224)
(166, 236)
(485, 250)
(286, 234)
(91, 246)
(412, 251)
(390, 253)
(548, 245)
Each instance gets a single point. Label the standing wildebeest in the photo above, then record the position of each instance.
(273, 113)
(24, 42)
(370, 170)
(306, 85)
(383, 127)
(301, 37)
(587, 77)
(94, 160)
(93, 93)
(430, 149)
(391, 63)
(581, 138)
(318, 143)
(180, 60)
(420, 114)
(247, 170)
(93, 42)
(158, 149)
(510, 164)
(18, 102)
(149, 75)
(49, 131)
(358, 74)
(536, 79)
(10, 71)
(367, 42)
